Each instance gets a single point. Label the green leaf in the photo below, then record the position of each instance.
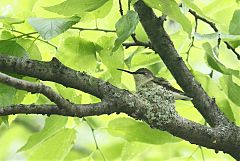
(53, 124)
(216, 36)
(206, 36)
(73, 7)
(5, 35)
(49, 28)
(143, 59)
(231, 89)
(10, 21)
(101, 12)
(10, 47)
(78, 54)
(111, 60)
(7, 95)
(125, 26)
(194, 7)
(132, 130)
(132, 149)
(214, 63)
(213, 90)
(234, 27)
(31, 48)
(56, 147)
(171, 9)
(69, 93)
(4, 119)
(235, 23)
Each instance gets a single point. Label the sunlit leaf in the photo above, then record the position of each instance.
(78, 54)
(31, 48)
(235, 23)
(231, 89)
(53, 124)
(102, 11)
(171, 9)
(234, 27)
(133, 130)
(5, 35)
(69, 93)
(213, 36)
(214, 63)
(213, 90)
(49, 28)
(10, 20)
(72, 7)
(216, 36)
(132, 150)
(125, 26)
(7, 95)
(193, 6)
(10, 47)
(55, 147)
(112, 60)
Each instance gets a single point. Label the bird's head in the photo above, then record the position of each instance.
(141, 75)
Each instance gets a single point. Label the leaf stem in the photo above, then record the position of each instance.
(29, 36)
(95, 140)
(92, 29)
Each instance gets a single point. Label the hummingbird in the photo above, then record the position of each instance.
(144, 76)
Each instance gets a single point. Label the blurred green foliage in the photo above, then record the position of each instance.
(26, 23)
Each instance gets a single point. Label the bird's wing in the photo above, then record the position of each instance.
(167, 85)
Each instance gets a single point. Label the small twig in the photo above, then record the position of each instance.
(120, 7)
(213, 26)
(95, 140)
(211, 74)
(133, 35)
(92, 29)
(193, 153)
(35, 88)
(233, 50)
(203, 158)
(22, 35)
(129, 5)
(32, 37)
(139, 43)
(193, 39)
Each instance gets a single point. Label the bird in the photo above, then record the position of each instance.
(144, 76)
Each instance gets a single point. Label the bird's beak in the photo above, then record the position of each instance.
(127, 71)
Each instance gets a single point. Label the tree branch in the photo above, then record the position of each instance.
(165, 48)
(55, 71)
(138, 43)
(92, 29)
(104, 107)
(29, 36)
(220, 138)
(224, 138)
(213, 26)
(35, 88)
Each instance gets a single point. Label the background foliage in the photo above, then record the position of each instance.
(87, 35)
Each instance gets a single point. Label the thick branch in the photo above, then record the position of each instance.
(35, 88)
(224, 138)
(104, 107)
(55, 71)
(165, 48)
(221, 138)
